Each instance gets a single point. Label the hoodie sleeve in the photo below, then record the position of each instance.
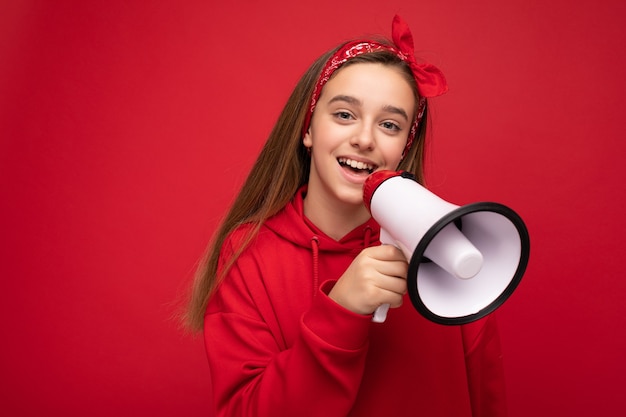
(485, 374)
(254, 372)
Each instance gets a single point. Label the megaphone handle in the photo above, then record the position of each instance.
(380, 315)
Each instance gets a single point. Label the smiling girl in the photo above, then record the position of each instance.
(290, 282)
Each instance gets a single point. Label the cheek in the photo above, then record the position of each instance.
(323, 136)
(395, 163)
(393, 153)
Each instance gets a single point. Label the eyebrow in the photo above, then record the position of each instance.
(396, 110)
(355, 101)
(347, 99)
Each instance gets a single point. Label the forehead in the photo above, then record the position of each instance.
(373, 81)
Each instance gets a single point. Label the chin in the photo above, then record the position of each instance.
(352, 196)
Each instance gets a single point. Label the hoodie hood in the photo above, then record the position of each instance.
(292, 224)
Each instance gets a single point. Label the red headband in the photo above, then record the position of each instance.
(428, 78)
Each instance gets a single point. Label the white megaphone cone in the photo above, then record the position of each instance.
(464, 262)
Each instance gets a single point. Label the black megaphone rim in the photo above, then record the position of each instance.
(418, 258)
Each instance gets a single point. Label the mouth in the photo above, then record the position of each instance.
(357, 166)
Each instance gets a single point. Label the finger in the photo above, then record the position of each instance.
(392, 284)
(393, 299)
(394, 269)
(387, 253)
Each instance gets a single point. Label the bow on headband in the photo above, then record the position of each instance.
(429, 80)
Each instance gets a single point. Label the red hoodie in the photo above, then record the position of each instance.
(279, 346)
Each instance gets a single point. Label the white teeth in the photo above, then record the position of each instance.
(356, 164)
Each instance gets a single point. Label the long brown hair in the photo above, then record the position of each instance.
(281, 168)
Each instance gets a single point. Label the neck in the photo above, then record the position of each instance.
(335, 222)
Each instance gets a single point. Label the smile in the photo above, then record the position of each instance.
(356, 165)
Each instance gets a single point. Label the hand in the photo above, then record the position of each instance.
(376, 276)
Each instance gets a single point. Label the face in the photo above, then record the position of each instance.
(360, 125)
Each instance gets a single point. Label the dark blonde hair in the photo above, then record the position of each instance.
(280, 170)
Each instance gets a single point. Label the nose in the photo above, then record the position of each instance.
(363, 138)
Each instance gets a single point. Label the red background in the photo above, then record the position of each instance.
(126, 128)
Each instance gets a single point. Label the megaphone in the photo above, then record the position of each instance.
(464, 261)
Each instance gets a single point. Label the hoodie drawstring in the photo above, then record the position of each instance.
(315, 247)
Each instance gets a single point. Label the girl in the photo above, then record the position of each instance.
(286, 293)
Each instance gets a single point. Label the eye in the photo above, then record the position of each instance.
(343, 115)
(391, 126)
